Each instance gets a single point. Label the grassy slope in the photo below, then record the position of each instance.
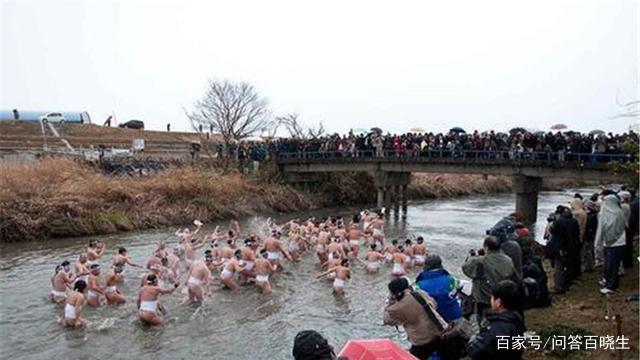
(585, 308)
(60, 197)
(57, 197)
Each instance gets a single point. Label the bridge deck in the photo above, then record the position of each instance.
(581, 166)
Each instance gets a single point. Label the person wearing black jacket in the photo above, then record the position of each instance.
(631, 234)
(589, 236)
(494, 340)
(565, 231)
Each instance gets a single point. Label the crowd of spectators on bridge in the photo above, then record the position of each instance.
(516, 144)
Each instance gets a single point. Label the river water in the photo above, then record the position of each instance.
(240, 325)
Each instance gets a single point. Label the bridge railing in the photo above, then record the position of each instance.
(459, 155)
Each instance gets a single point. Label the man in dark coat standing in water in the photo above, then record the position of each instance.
(565, 231)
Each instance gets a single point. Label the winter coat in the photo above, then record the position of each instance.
(484, 344)
(580, 215)
(591, 227)
(442, 287)
(565, 232)
(486, 272)
(512, 249)
(611, 221)
(412, 316)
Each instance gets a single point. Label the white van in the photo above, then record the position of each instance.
(53, 117)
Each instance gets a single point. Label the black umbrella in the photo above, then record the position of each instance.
(596, 132)
(457, 130)
(376, 130)
(517, 130)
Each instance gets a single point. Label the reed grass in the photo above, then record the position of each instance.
(58, 197)
(61, 197)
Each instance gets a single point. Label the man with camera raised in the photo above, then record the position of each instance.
(487, 268)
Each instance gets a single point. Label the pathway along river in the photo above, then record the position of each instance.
(241, 325)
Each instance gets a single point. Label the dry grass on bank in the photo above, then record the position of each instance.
(447, 185)
(60, 197)
(425, 186)
(57, 197)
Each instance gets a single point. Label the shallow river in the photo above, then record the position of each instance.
(241, 325)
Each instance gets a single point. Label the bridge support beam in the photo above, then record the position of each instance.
(388, 199)
(380, 202)
(526, 189)
(396, 200)
(392, 190)
(405, 199)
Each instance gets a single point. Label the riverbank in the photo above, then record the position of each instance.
(59, 197)
(62, 198)
(582, 311)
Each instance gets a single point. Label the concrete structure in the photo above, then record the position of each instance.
(392, 174)
(80, 117)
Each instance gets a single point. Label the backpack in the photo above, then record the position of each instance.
(536, 291)
(503, 230)
(454, 336)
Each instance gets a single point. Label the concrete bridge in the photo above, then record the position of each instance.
(392, 172)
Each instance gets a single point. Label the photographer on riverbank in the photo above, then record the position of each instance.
(487, 268)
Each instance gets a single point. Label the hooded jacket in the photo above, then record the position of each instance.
(611, 222)
(580, 215)
(484, 344)
(442, 288)
(412, 316)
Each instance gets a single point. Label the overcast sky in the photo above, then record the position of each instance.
(352, 64)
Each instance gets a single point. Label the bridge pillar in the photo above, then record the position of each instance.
(526, 189)
(391, 189)
(396, 200)
(405, 198)
(388, 198)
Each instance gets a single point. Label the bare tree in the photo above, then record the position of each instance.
(297, 130)
(271, 131)
(631, 109)
(234, 109)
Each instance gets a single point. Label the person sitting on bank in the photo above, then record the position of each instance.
(405, 308)
(441, 286)
(494, 341)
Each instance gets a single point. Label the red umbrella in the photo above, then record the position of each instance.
(559, 127)
(374, 349)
